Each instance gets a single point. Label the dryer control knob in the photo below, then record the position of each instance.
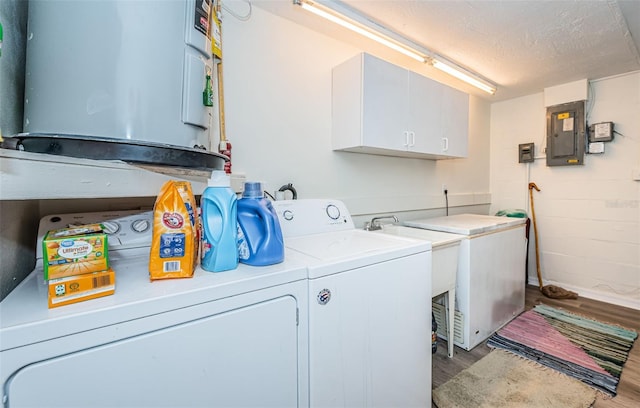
(140, 225)
(110, 227)
(287, 215)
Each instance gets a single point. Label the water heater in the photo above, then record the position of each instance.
(133, 70)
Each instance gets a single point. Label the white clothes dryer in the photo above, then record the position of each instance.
(230, 339)
(369, 309)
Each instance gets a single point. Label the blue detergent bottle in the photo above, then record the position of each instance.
(219, 206)
(260, 240)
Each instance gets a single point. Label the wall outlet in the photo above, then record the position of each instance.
(444, 188)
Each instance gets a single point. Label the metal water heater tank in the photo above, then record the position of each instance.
(133, 70)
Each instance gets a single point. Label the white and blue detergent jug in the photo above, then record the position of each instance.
(219, 207)
(260, 240)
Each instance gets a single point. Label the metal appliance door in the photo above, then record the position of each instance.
(490, 283)
(369, 331)
(241, 357)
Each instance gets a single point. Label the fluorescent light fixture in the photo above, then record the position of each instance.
(461, 74)
(347, 18)
(353, 25)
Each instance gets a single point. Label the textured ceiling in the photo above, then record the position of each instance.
(523, 46)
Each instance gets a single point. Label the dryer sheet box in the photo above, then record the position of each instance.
(73, 289)
(75, 251)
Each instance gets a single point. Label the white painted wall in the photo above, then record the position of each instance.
(588, 216)
(278, 118)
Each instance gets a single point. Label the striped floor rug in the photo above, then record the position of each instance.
(590, 351)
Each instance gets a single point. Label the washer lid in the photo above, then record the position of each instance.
(466, 224)
(344, 250)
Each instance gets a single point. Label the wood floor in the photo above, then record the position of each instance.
(629, 387)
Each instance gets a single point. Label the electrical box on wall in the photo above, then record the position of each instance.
(565, 134)
(525, 153)
(601, 132)
(595, 148)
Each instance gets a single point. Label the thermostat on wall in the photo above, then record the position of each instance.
(601, 132)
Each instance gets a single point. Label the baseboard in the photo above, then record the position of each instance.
(593, 294)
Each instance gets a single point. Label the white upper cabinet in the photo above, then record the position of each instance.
(455, 122)
(380, 108)
(379, 85)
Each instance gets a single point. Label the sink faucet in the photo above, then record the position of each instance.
(374, 225)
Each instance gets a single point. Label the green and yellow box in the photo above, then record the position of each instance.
(75, 251)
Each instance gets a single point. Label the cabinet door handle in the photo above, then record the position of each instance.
(413, 139)
(406, 138)
(445, 144)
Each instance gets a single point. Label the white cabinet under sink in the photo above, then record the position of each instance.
(381, 108)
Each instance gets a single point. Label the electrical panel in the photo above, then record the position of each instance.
(566, 134)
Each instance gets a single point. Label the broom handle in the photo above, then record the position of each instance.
(223, 134)
(535, 232)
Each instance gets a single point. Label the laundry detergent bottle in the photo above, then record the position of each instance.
(260, 239)
(219, 207)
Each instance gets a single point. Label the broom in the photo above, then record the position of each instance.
(550, 291)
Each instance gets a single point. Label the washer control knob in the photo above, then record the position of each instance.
(287, 215)
(110, 227)
(140, 225)
(333, 212)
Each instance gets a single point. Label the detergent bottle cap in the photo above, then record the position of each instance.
(219, 179)
(252, 189)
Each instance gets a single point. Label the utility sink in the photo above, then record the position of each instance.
(445, 247)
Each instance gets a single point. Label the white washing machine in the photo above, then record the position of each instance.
(229, 339)
(490, 280)
(369, 309)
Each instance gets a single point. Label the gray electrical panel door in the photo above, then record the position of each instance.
(565, 134)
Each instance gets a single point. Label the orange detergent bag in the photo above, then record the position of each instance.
(174, 246)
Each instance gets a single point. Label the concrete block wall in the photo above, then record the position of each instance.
(588, 216)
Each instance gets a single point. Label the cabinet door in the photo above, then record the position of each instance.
(455, 122)
(425, 118)
(385, 105)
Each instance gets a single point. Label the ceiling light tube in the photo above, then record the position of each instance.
(355, 22)
(355, 26)
(460, 74)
